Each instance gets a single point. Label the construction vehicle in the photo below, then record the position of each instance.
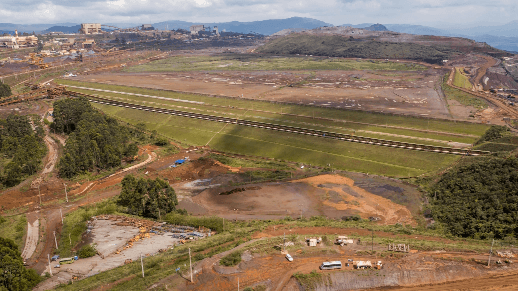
(378, 265)
(37, 61)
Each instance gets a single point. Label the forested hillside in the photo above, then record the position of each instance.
(479, 200)
(339, 46)
(21, 149)
(96, 142)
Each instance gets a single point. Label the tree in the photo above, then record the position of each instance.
(479, 200)
(146, 197)
(5, 90)
(13, 275)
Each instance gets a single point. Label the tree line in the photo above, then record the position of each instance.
(21, 148)
(96, 142)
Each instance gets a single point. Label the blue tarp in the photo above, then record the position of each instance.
(179, 161)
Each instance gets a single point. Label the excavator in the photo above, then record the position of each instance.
(38, 61)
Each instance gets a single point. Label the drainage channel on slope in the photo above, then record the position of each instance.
(286, 128)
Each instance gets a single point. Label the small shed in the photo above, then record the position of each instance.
(312, 242)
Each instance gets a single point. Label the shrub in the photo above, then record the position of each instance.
(231, 259)
(161, 141)
(5, 90)
(87, 251)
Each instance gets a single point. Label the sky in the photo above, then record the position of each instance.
(436, 13)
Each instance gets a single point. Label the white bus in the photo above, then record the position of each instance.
(331, 265)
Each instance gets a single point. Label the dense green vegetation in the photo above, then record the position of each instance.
(497, 139)
(96, 142)
(5, 90)
(493, 133)
(146, 197)
(231, 259)
(13, 275)
(339, 46)
(263, 62)
(86, 252)
(21, 149)
(479, 200)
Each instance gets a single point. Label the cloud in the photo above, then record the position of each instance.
(427, 12)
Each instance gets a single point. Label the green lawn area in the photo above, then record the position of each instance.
(347, 119)
(461, 80)
(14, 227)
(292, 147)
(462, 97)
(258, 62)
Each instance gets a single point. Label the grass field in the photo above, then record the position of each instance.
(346, 119)
(461, 80)
(266, 63)
(462, 97)
(291, 147)
(14, 227)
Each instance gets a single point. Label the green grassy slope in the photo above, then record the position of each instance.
(292, 147)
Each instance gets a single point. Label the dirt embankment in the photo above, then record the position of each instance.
(421, 271)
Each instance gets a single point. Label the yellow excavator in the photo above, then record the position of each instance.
(38, 61)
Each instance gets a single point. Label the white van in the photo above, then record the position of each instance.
(289, 258)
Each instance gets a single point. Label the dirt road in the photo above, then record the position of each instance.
(52, 214)
(32, 238)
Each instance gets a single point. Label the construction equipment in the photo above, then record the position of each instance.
(37, 61)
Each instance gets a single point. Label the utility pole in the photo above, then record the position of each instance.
(55, 240)
(190, 263)
(490, 252)
(50, 267)
(39, 193)
(285, 241)
(223, 223)
(372, 243)
(69, 239)
(61, 213)
(237, 283)
(66, 194)
(142, 265)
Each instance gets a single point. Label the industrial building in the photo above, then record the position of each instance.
(18, 41)
(147, 27)
(195, 29)
(90, 28)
